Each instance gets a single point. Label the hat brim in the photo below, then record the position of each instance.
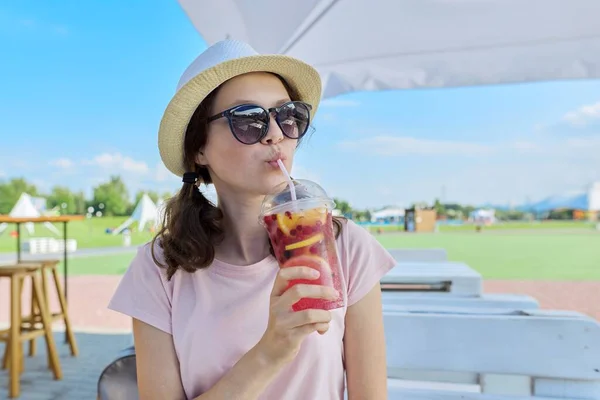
(303, 79)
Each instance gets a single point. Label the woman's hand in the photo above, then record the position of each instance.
(287, 328)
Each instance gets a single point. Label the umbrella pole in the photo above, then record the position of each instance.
(18, 242)
(65, 271)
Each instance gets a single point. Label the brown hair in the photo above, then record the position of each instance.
(191, 223)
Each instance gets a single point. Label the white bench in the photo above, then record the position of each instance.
(44, 245)
(419, 255)
(427, 301)
(455, 278)
(492, 355)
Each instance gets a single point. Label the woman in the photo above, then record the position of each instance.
(211, 316)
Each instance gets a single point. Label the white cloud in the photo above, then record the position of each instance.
(514, 171)
(402, 145)
(116, 161)
(299, 171)
(527, 147)
(327, 117)
(587, 144)
(339, 103)
(583, 115)
(20, 164)
(162, 173)
(63, 163)
(569, 149)
(519, 180)
(2, 174)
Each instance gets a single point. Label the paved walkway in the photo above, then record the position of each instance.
(89, 295)
(80, 374)
(580, 296)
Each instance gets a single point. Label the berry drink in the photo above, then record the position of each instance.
(306, 238)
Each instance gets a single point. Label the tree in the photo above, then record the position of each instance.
(113, 195)
(80, 203)
(166, 196)
(152, 194)
(60, 196)
(343, 206)
(12, 190)
(439, 208)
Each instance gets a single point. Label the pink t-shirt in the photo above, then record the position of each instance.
(217, 314)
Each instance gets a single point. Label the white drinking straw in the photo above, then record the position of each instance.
(289, 179)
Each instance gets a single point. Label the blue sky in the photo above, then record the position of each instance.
(84, 84)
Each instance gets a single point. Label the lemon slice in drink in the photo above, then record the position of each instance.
(307, 242)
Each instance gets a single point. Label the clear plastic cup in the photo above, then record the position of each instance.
(302, 234)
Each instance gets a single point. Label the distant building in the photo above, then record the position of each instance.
(390, 215)
(483, 216)
(420, 220)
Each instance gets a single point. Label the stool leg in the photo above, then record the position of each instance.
(34, 313)
(15, 333)
(65, 313)
(46, 301)
(46, 320)
(6, 355)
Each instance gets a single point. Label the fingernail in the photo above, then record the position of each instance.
(314, 273)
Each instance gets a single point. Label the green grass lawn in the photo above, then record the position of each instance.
(89, 233)
(501, 226)
(548, 250)
(526, 255)
(510, 225)
(115, 264)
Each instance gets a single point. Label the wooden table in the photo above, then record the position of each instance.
(65, 219)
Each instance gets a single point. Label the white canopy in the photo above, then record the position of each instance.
(145, 211)
(488, 215)
(401, 44)
(24, 208)
(388, 213)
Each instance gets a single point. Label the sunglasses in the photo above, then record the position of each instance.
(249, 123)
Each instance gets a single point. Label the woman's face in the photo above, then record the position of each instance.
(240, 168)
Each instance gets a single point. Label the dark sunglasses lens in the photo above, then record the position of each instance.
(248, 123)
(293, 119)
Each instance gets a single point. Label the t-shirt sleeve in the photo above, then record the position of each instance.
(144, 292)
(367, 261)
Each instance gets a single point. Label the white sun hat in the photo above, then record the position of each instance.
(217, 64)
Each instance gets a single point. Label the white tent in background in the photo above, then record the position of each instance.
(145, 211)
(388, 214)
(24, 208)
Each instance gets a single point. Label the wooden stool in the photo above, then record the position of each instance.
(63, 314)
(17, 334)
